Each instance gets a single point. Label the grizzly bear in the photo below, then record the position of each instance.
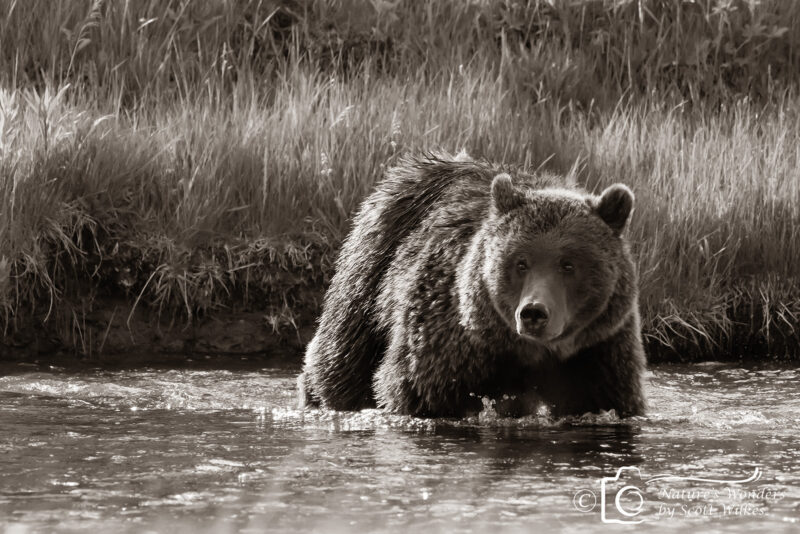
(463, 279)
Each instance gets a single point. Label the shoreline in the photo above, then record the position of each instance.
(95, 327)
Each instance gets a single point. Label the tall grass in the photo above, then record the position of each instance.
(196, 156)
(137, 50)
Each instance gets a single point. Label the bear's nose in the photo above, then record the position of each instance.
(534, 317)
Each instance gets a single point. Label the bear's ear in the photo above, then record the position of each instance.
(505, 196)
(615, 206)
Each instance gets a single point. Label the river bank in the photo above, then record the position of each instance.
(279, 299)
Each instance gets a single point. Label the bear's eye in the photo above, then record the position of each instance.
(567, 266)
(522, 265)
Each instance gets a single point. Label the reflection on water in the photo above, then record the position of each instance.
(220, 450)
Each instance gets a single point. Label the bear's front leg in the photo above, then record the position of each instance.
(428, 380)
(392, 383)
(606, 376)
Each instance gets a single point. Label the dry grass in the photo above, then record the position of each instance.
(209, 154)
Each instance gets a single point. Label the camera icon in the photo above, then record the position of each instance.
(621, 499)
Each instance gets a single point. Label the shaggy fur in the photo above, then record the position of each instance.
(423, 314)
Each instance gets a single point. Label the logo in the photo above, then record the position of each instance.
(628, 498)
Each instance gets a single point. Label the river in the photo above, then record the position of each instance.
(202, 449)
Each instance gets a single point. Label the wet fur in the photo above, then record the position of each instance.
(410, 324)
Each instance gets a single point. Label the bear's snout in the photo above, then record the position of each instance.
(533, 318)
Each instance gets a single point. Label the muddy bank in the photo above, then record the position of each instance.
(112, 331)
(158, 301)
(155, 300)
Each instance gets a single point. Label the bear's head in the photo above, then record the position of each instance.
(554, 257)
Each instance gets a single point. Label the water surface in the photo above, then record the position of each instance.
(201, 450)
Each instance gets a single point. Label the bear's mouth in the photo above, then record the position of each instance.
(545, 332)
(542, 339)
(557, 343)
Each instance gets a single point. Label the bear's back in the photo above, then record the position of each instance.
(441, 190)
